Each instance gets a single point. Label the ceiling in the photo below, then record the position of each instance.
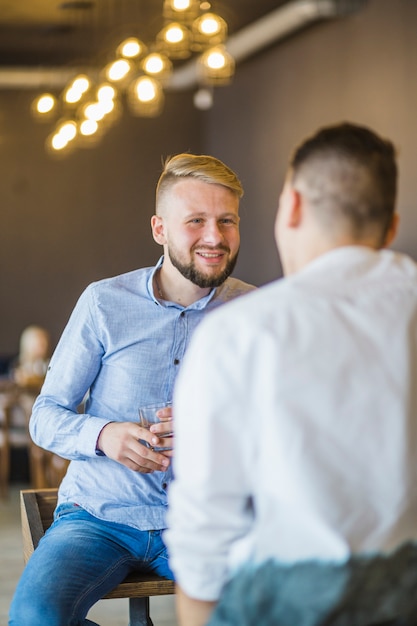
(55, 33)
(45, 43)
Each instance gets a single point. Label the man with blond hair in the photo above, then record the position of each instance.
(121, 350)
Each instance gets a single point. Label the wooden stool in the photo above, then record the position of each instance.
(37, 507)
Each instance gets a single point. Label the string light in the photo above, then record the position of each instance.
(139, 72)
(175, 41)
(208, 30)
(131, 48)
(157, 64)
(76, 89)
(185, 10)
(88, 127)
(118, 70)
(216, 66)
(146, 97)
(44, 106)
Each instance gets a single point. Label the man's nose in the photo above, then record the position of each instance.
(212, 233)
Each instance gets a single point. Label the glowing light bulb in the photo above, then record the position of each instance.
(145, 89)
(216, 60)
(174, 34)
(106, 92)
(130, 48)
(88, 127)
(81, 84)
(209, 25)
(153, 64)
(45, 103)
(94, 111)
(181, 5)
(58, 142)
(75, 91)
(72, 95)
(118, 69)
(68, 130)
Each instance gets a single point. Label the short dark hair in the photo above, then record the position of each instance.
(347, 171)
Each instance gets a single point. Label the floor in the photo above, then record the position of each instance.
(104, 613)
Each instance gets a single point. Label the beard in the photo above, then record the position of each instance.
(190, 271)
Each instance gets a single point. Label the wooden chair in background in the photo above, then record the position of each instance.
(45, 468)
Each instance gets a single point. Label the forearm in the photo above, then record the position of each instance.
(192, 612)
(63, 431)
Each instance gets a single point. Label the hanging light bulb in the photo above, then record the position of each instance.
(208, 30)
(61, 140)
(45, 103)
(76, 89)
(67, 130)
(106, 92)
(44, 106)
(90, 133)
(145, 97)
(145, 89)
(58, 142)
(108, 100)
(185, 10)
(175, 41)
(81, 83)
(131, 48)
(157, 65)
(93, 111)
(189, 26)
(216, 66)
(180, 5)
(103, 111)
(118, 70)
(88, 128)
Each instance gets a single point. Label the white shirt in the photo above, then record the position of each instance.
(296, 422)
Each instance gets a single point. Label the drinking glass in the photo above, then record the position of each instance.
(148, 416)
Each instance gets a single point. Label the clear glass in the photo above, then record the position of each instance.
(148, 416)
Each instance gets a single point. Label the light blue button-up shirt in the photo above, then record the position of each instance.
(121, 349)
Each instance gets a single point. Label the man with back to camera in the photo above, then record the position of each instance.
(305, 409)
(123, 345)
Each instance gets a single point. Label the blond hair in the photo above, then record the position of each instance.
(201, 167)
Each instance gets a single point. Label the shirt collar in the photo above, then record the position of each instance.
(197, 306)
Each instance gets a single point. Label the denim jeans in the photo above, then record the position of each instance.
(78, 561)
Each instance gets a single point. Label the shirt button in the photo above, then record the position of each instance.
(182, 313)
(176, 361)
(164, 485)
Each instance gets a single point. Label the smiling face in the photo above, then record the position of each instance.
(198, 224)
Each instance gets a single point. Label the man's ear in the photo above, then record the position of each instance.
(295, 209)
(158, 229)
(392, 230)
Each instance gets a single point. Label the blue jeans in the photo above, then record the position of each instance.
(78, 561)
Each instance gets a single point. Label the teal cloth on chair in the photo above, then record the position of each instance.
(364, 591)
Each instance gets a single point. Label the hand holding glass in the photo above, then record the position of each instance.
(148, 416)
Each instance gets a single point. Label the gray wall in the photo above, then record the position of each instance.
(362, 68)
(66, 223)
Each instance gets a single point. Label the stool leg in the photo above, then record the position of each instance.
(139, 612)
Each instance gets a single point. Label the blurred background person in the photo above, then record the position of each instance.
(29, 367)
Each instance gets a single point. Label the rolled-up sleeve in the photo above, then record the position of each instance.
(55, 423)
